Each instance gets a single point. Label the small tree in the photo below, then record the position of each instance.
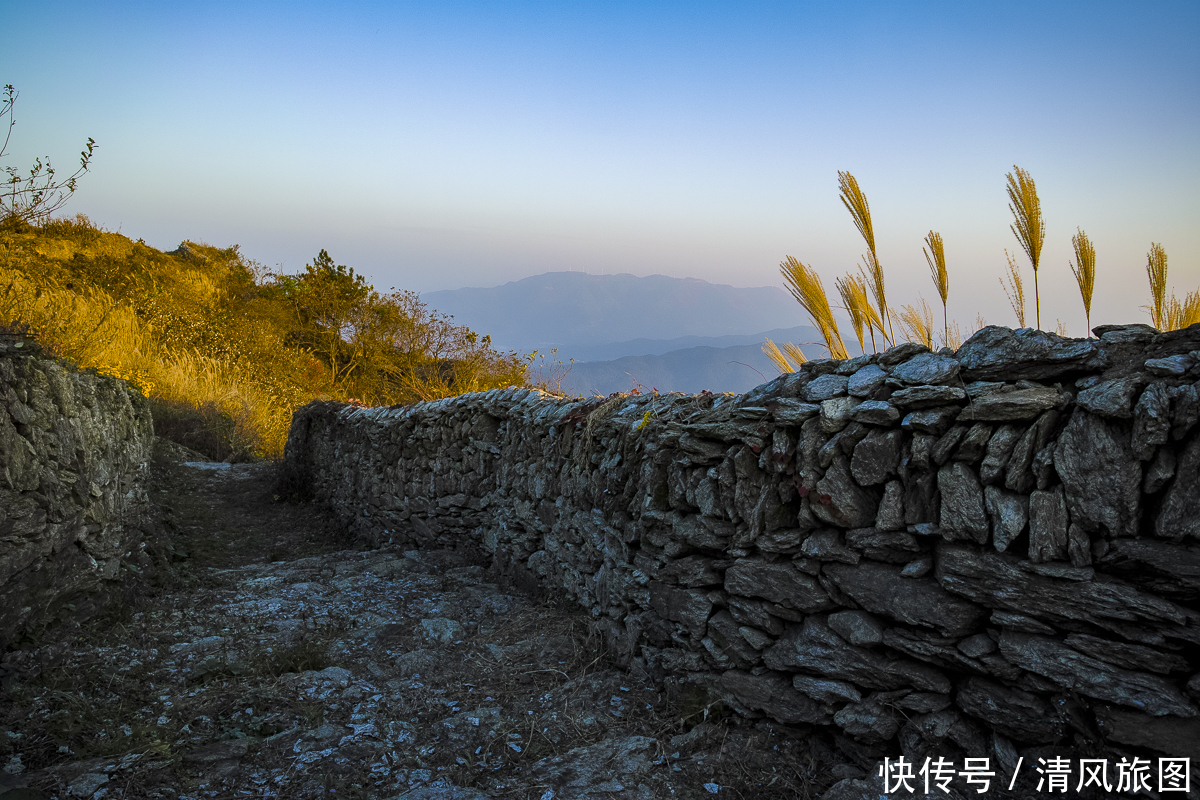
(34, 197)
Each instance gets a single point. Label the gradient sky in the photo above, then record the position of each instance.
(440, 145)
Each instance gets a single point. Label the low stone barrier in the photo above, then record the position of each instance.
(74, 452)
(945, 554)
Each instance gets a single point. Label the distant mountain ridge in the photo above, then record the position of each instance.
(568, 309)
(801, 334)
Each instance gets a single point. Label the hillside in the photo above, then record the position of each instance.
(226, 350)
(573, 309)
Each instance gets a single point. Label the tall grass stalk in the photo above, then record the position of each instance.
(1156, 271)
(916, 322)
(1084, 268)
(787, 358)
(854, 297)
(805, 285)
(1028, 225)
(1181, 315)
(935, 256)
(1014, 289)
(860, 211)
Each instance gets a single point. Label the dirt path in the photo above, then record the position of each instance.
(268, 658)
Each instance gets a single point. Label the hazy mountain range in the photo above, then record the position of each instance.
(672, 334)
(565, 309)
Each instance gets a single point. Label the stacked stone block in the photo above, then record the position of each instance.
(74, 459)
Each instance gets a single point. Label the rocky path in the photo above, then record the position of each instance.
(266, 657)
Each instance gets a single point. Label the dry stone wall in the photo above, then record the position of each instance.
(74, 456)
(933, 553)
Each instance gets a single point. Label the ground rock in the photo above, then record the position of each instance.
(591, 772)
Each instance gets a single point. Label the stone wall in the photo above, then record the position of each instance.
(972, 553)
(74, 456)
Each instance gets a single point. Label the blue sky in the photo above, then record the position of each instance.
(438, 145)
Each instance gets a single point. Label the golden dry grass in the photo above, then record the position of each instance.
(1084, 269)
(1028, 225)
(805, 285)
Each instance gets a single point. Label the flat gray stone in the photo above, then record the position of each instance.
(774, 694)
(882, 590)
(1175, 366)
(1103, 480)
(865, 381)
(962, 515)
(1003, 354)
(1179, 515)
(850, 505)
(1047, 526)
(777, 581)
(1009, 513)
(996, 580)
(825, 690)
(926, 368)
(1151, 421)
(836, 412)
(934, 421)
(825, 387)
(815, 648)
(927, 396)
(1112, 398)
(876, 457)
(1091, 677)
(1009, 404)
(1015, 713)
(875, 412)
(856, 627)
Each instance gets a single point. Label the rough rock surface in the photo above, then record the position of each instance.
(75, 448)
(918, 532)
(1015, 588)
(279, 660)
